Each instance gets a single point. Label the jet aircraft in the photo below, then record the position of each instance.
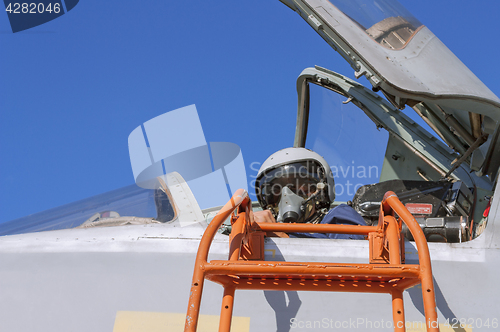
(110, 263)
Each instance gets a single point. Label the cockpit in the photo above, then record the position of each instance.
(372, 148)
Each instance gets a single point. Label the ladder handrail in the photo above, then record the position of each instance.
(391, 204)
(240, 198)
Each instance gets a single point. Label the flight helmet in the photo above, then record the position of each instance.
(294, 184)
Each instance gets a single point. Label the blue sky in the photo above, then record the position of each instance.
(73, 89)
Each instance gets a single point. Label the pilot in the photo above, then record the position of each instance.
(297, 185)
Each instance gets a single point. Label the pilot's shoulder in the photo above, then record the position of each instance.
(343, 214)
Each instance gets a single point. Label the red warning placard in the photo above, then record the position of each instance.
(419, 208)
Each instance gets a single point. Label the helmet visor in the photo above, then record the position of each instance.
(301, 178)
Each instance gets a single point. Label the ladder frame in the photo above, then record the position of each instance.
(247, 269)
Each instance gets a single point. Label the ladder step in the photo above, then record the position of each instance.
(285, 283)
(337, 270)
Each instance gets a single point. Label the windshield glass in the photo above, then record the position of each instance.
(385, 21)
(348, 140)
(104, 208)
(177, 176)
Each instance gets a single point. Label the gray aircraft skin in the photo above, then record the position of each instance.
(93, 266)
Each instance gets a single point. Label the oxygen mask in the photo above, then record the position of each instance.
(290, 207)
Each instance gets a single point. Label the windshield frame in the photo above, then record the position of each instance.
(435, 153)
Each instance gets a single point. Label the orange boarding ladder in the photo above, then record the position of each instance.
(247, 269)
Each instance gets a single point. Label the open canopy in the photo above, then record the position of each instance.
(412, 67)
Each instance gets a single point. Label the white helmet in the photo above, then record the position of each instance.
(293, 183)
